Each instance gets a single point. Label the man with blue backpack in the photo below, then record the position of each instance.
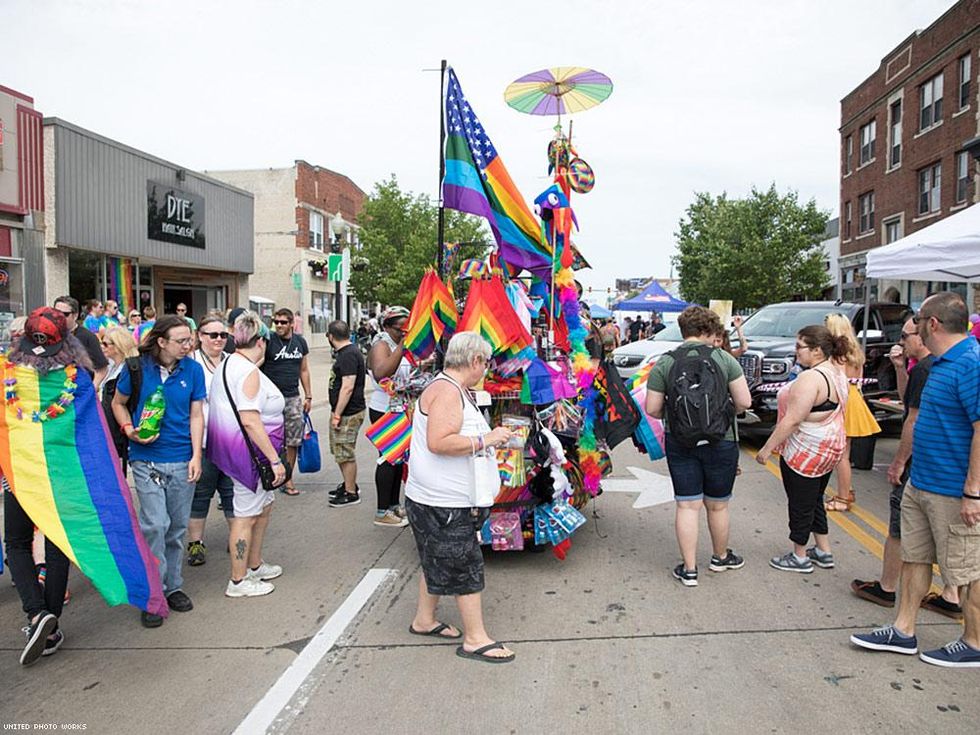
(697, 390)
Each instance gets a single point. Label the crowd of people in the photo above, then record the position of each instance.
(236, 394)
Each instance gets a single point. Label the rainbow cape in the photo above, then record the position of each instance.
(433, 316)
(489, 312)
(392, 435)
(65, 473)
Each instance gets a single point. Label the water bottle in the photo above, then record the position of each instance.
(794, 371)
(152, 415)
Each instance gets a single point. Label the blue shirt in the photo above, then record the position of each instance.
(183, 386)
(944, 430)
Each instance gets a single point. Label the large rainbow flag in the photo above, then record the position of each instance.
(65, 474)
(477, 182)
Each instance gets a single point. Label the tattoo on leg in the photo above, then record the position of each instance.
(240, 549)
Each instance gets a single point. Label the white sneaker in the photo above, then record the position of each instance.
(248, 587)
(265, 572)
(390, 519)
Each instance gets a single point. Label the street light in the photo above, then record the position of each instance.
(338, 228)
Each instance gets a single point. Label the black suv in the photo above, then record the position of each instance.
(771, 334)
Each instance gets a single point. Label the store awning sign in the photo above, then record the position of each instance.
(174, 215)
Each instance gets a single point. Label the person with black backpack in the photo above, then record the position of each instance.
(120, 350)
(697, 389)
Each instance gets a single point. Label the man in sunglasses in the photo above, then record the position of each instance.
(941, 503)
(286, 364)
(69, 308)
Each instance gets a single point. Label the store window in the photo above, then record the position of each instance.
(321, 311)
(11, 294)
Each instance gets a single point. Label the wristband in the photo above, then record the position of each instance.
(276, 463)
(971, 497)
(126, 426)
(483, 446)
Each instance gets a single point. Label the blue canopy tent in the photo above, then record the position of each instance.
(598, 311)
(652, 298)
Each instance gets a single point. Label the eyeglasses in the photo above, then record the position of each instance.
(919, 317)
(803, 347)
(215, 335)
(183, 341)
(282, 322)
(906, 335)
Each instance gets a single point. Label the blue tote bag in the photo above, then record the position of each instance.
(308, 459)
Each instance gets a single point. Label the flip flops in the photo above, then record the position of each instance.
(480, 654)
(286, 491)
(435, 632)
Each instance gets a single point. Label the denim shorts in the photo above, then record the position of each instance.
(705, 471)
(449, 549)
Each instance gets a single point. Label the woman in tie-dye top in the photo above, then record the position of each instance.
(810, 438)
(260, 406)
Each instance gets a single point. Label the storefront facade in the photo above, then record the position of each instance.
(124, 225)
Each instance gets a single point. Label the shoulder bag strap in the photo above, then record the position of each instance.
(234, 410)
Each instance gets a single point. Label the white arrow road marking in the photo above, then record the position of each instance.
(654, 489)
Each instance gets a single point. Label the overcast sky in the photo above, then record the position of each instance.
(709, 96)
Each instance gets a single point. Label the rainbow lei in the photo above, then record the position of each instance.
(54, 409)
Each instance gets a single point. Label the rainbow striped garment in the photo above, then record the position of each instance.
(66, 475)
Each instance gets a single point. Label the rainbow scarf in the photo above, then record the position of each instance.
(433, 316)
(58, 457)
(392, 435)
(489, 313)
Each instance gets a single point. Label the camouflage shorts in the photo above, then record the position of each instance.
(448, 547)
(343, 438)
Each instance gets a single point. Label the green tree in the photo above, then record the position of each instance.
(398, 241)
(754, 251)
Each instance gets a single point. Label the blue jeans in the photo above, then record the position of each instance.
(165, 507)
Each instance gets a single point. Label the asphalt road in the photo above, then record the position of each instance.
(607, 641)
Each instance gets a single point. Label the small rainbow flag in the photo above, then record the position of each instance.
(392, 435)
(489, 312)
(65, 473)
(473, 268)
(433, 316)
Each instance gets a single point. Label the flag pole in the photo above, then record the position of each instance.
(441, 226)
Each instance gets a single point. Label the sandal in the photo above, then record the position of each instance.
(291, 491)
(834, 504)
(480, 654)
(436, 632)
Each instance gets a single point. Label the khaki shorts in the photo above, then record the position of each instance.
(934, 532)
(343, 438)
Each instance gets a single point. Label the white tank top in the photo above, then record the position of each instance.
(379, 400)
(442, 481)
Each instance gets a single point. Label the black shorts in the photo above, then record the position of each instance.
(448, 547)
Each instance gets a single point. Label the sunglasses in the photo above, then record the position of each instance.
(906, 335)
(134, 316)
(106, 344)
(65, 314)
(215, 335)
(282, 322)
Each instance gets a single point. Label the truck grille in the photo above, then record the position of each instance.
(751, 363)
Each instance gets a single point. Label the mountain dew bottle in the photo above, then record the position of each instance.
(152, 415)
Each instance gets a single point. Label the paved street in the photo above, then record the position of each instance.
(606, 641)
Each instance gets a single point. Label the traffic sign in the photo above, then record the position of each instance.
(335, 267)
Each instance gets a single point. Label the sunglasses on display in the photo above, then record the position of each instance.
(215, 335)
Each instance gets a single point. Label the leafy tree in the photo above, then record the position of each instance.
(754, 251)
(398, 240)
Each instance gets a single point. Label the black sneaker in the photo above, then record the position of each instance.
(339, 490)
(197, 553)
(731, 561)
(37, 635)
(872, 592)
(344, 499)
(149, 620)
(687, 577)
(53, 643)
(179, 602)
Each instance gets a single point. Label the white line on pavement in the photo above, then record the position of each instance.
(266, 710)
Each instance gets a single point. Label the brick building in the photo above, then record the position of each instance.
(905, 155)
(296, 227)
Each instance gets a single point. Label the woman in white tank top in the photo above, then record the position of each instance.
(452, 481)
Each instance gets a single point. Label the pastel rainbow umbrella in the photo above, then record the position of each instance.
(561, 90)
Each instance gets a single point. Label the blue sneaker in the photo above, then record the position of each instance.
(954, 655)
(886, 639)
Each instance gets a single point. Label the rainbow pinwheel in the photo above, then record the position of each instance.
(433, 316)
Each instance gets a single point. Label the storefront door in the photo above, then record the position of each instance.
(199, 299)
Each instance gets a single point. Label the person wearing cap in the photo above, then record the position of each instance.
(99, 365)
(167, 466)
(46, 346)
(287, 366)
(387, 360)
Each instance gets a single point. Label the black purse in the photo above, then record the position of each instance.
(267, 475)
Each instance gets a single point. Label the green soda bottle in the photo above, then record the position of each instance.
(152, 415)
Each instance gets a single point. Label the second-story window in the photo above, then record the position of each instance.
(962, 176)
(929, 188)
(316, 230)
(895, 155)
(867, 142)
(866, 208)
(931, 102)
(848, 153)
(847, 220)
(964, 65)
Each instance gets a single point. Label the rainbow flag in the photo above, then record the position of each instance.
(65, 473)
(121, 284)
(489, 312)
(392, 435)
(477, 182)
(433, 316)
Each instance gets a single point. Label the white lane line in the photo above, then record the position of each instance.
(266, 710)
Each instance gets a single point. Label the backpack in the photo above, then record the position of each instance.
(699, 406)
(109, 392)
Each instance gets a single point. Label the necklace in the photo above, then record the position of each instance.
(54, 409)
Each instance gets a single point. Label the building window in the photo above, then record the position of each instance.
(962, 176)
(866, 209)
(929, 188)
(964, 66)
(321, 311)
(316, 230)
(847, 220)
(931, 102)
(848, 153)
(893, 230)
(867, 142)
(895, 155)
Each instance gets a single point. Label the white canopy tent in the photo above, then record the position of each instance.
(948, 250)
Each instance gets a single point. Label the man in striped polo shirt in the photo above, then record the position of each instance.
(941, 505)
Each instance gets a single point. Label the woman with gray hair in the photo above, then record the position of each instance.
(452, 481)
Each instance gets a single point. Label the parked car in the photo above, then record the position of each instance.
(771, 336)
(629, 358)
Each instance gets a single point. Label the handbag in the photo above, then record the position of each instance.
(267, 475)
(309, 451)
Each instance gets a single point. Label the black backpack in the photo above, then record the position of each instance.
(109, 391)
(699, 405)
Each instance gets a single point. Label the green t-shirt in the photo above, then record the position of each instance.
(658, 376)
